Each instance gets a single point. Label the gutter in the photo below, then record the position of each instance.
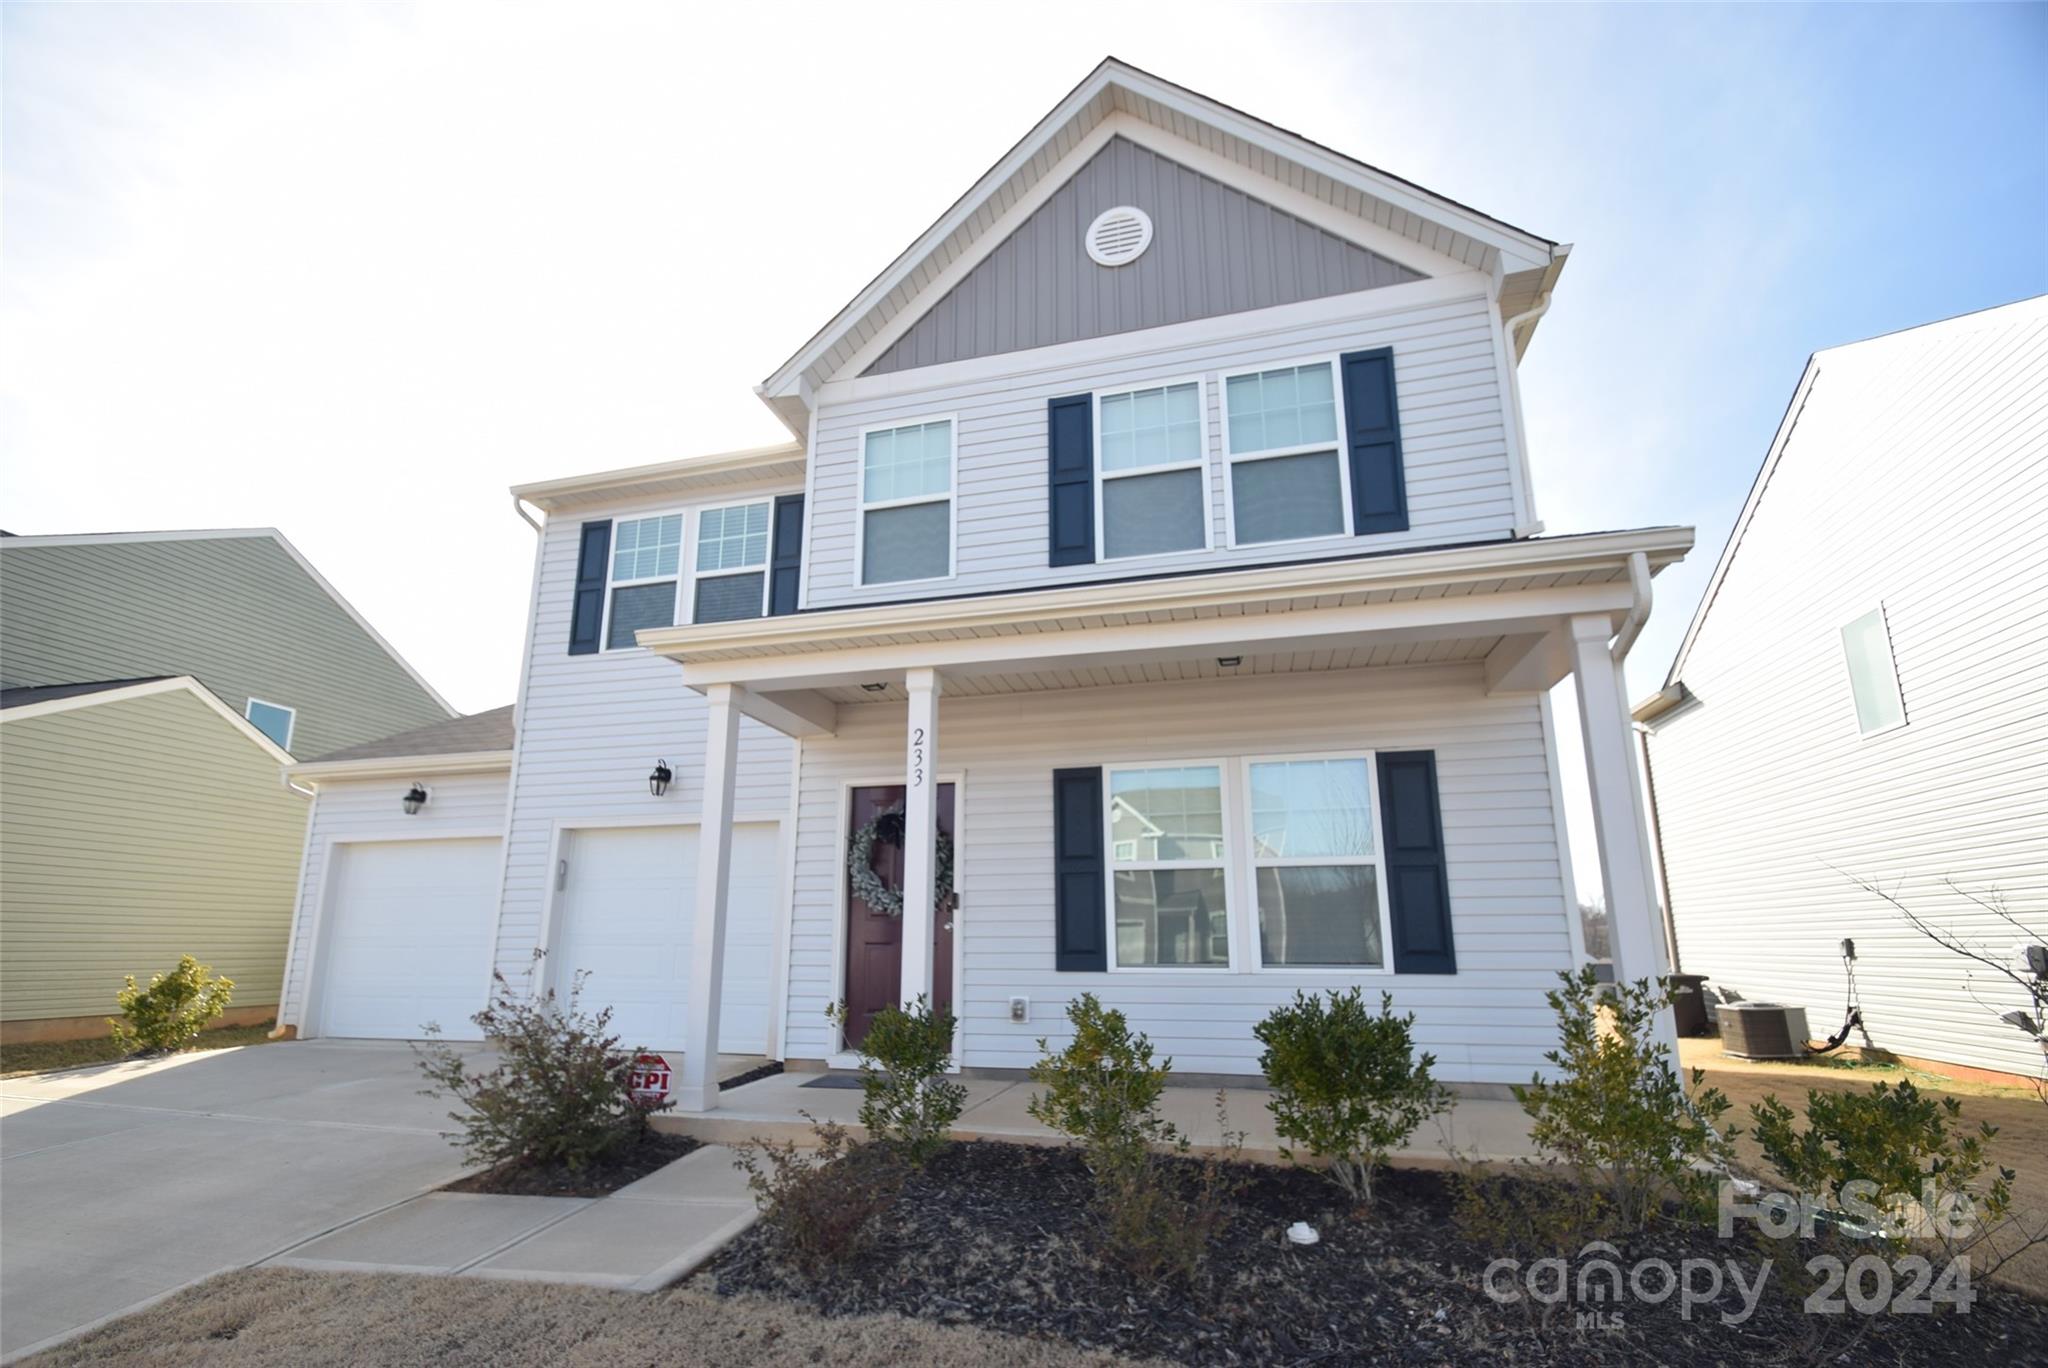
(402, 766)
(519, 507)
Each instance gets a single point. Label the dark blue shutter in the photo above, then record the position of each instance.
(1379, 491)
(586, 623)
(1418, 887)
(786, 561)
(1070, 451)
(1081, 909)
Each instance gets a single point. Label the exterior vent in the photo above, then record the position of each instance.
(1763, 1030)
(1119, 235)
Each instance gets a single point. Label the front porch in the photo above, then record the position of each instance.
(1439, 660)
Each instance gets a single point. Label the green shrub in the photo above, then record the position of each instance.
(173, 1010)
(558, 1089)
(1906, 1147)
(821, 1204)
(1617, 1114)
(1347, 1084)
(907, 1099)
(1103, 1089)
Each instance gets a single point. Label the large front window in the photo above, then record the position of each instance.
(1313, 863)
(1168, 874)
(1149, 462)
(906, 499)
(1287, 479)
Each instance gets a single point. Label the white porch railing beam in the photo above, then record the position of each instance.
(1618, 826)
(698, 1091)
(920, 830)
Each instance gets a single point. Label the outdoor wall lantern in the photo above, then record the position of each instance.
(415, 799)
(657, 782)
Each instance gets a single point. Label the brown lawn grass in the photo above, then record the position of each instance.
(269, 1316)
(41, 1056)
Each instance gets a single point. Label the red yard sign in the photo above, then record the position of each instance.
(650, 1077)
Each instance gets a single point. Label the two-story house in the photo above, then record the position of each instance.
(153, 684)
(1150, 603)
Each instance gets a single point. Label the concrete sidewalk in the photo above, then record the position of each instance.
(639, 1239)
(1489, 1129)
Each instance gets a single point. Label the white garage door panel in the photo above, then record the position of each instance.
(409, 928)
(624, 922)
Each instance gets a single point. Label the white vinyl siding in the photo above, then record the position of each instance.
(1454, 443)
(1913, 472)
(1487, 1024)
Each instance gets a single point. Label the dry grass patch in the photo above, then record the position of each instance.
(269, 1316)
(41, 1056)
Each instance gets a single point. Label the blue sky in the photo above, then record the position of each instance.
(351, 271)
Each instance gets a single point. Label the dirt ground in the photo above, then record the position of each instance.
(270, 1316)
(2019, 1114)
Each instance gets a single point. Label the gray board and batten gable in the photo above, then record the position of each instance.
(1215, 250)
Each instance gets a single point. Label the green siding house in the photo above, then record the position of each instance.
(153, 686)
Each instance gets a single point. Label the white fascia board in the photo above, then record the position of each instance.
(1180, 594)
(175, 684)
(550, 494)
(1518, 250)
(402, 766)
(236, 534)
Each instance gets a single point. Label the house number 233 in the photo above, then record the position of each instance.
(917, 757)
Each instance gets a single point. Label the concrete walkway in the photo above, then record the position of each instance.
(639, 1239)
(1490, 1129)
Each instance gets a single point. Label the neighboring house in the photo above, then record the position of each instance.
(155, 683)
(1862, 697)
(1174, 479)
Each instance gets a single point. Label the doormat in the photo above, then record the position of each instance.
(833, 1080)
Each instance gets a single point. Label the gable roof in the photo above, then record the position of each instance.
(1117, 94)
(1673, 691)
(12, 543)
(61, 698)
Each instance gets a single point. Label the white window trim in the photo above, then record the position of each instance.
(862, 507)
(694, 531)
(684, 549)
(1891, 656)
(291, 715)
(1227, 862)
(1201, 463)
(1255, 956)
(1232, 458)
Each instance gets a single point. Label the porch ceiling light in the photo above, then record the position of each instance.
(1229, 662)
(415, 799)
(657, 782)
(875, 688)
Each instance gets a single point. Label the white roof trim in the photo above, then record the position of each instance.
(403, 766)
(1522, 250)
(239, 533)
(176, 683)
(546, 494)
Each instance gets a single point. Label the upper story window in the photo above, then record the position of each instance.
(1287, 479)
(1151, 475)
(906, 503)
(731, 579)
(1873, 676)
(647, 556)
(274, 720)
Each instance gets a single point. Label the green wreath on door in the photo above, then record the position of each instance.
(887, 829)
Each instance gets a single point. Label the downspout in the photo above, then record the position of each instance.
(286, 775)
(1508, 331)
(1631, 628)
(1639, 610)
(1657, 847)
(519, 507)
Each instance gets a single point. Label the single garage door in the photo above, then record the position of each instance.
(623, 919)
(408, 938)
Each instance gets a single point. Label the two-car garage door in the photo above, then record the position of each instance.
(410, 926)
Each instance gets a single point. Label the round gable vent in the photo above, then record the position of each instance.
(1119, 235)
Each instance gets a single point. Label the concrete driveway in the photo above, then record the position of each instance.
(124, 1182)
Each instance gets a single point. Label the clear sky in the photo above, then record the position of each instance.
(352, 271)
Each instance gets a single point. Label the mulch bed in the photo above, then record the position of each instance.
(656, 1150)
(1003, 1237)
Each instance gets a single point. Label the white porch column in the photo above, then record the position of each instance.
(698, 1091)
(1618, 825)
(920, 830)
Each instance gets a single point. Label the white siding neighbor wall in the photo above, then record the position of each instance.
(1453, 435)
(369, 810)
(1915, 477)
(591, 728)
(1488, 1023)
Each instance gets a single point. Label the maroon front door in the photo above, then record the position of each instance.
(874, 939)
